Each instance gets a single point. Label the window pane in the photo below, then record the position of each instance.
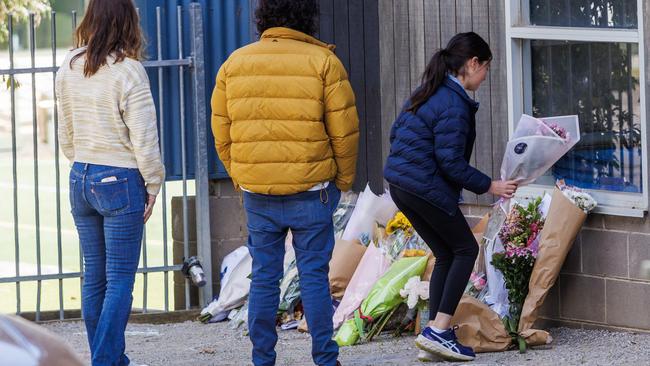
(600, 83)
(584, 13)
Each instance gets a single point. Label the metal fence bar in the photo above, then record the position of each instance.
(37, 216)
(186, 230)
(48, 69)
(57, 170)
(144, 266)
(28, 70)
(12, 82)
(162, 150)
(57, 276)
(202, 197)
(81, 253)
(144, 252)
(167, 63)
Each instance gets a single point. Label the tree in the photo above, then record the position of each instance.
(20, 10)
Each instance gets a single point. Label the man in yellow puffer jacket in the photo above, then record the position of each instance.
(286, 128)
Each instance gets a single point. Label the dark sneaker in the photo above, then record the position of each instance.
(444, 345)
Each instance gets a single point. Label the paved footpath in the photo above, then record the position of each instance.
(196, 344)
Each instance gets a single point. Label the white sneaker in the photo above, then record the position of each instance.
(425, 356)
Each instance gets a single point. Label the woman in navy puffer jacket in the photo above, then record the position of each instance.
(428, 167)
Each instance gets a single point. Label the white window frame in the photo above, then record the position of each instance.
(518, 31)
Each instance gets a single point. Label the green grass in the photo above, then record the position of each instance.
(27, 237)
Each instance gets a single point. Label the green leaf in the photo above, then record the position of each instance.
(522, 344)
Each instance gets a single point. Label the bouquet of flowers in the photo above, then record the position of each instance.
(578, 197)
(343, 212)
(381, 302)
(401, 239)
(477, 286)
(372, 266)
(536, 145)
(520, 238)
(234, 293)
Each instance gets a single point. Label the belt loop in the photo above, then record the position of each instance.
(323, 191)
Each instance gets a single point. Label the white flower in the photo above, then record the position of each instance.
(582, 200)
(414, 290)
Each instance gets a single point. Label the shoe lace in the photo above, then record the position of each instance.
(453, 332)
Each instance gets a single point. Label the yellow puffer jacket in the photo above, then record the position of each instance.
(284, 117)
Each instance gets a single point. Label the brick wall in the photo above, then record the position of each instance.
(227, 229)
(602, 283)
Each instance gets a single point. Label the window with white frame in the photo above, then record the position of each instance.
(585, 58)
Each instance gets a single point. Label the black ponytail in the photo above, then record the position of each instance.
(452, 59)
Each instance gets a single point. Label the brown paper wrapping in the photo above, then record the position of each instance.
(562, 225)
(481, 226)
(345, 258)
(481, 328)
(54, 352)
(426, 276)
(302, 326)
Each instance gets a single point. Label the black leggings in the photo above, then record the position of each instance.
(452, 243)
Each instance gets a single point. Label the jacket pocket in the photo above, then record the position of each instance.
(111, 197)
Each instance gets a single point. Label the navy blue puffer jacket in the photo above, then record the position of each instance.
(431, 149)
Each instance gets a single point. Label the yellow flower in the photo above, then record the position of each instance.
(398, 222)
(415, 253)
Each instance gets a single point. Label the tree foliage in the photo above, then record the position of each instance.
(20, 10)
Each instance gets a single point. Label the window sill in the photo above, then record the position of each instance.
(609, 203)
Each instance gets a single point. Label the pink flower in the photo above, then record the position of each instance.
(532, 238)
(534, 247)
(559, 130)
(478, 281)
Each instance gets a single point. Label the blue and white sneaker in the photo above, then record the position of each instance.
(444, 345)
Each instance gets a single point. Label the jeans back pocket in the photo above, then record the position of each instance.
(72, 193)
(112, 197)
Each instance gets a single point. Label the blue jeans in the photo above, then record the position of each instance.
(309, 216)
(109, 220)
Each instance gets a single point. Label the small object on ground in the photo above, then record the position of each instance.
(219, 317)
(208, 351)
(293, 324)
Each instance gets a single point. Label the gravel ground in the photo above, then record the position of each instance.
(196, 344)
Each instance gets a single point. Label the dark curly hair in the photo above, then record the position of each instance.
(300, 15)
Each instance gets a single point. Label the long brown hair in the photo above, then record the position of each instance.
(452, 59)
(110, 27)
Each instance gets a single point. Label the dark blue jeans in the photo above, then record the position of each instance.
(107, 206)
(309, 216)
